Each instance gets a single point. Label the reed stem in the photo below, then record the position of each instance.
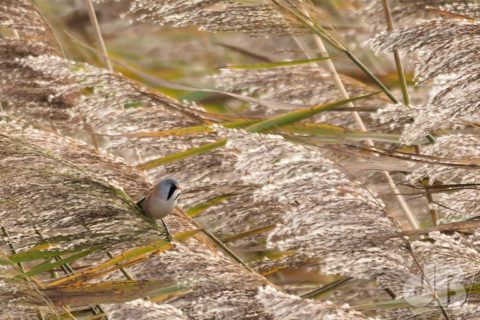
(396, 55)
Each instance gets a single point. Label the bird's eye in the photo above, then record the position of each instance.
(171, 191)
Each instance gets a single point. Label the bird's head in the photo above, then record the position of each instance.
(168, 189)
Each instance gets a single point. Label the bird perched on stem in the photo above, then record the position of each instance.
(161, 200)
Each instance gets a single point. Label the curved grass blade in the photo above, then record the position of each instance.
(275, 64)
(271, 254)
(33, 254)
(39, 253)
(155, 81)
(248, 233)
(20, 291)
(182, 155)
(170, 295)
(461, 163)
(190, 130)
(171, 132)
(298, 115)
(312, 24)
(326, 131)
(125, 258)
(326, 289)
(240, 123)
(334, 133)
(47, 266)
(199, 208)
(111, 291)
(218, 242)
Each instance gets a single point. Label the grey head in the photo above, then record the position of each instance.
(168, 189)
(162, 199)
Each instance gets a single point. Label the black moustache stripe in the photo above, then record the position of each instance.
(171, 191)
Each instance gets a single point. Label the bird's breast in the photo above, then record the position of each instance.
(158, 208)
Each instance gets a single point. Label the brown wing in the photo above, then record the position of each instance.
(140, 201)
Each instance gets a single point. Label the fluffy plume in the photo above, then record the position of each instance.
(213, 15)
(451, 147)
(285, 306)
(457, 205)
(21, 19)
(21, 16)
(336, 219)
(83, 101)
(71, 209)
(406, 13)
(295, 200)
(447, 48)
(449, 264)
(143, 310)
(101, 164)
(19, 298)
(212, 171)
(430, 8)
(459, 200)
(394, 116)
(305, 85)
(99, 107)
(91, 93)
(450, 252)
(218, 287)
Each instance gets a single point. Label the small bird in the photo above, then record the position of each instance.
(160, 200)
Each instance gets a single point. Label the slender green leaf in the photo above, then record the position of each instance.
(171, 132)
(275, 64)
(312, 24)
(372, 77)
(326, 289)
(298, 115)
(199, 208)
(195, 96)
(127, 256)
(191, 130)
(111, 291)
(185, 235)
(240, 123)
(47, 266)
(248, 233)
(333, 133)
(31, 255)
(182, 155)
(155, 81)
(271, 254)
